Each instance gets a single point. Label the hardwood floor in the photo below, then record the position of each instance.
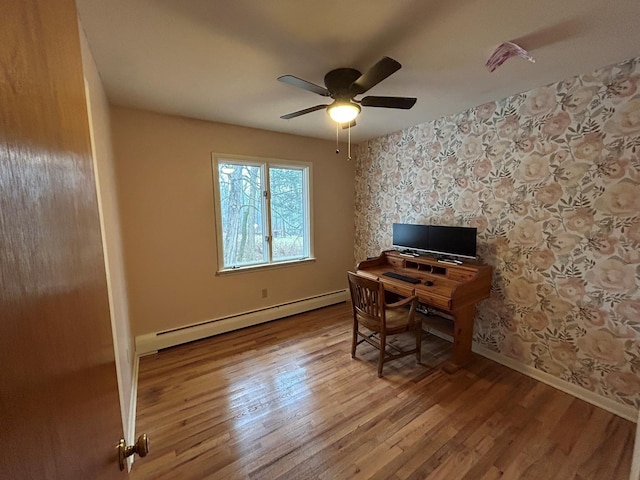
(285, 400)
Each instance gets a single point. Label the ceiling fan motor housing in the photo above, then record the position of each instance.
(339, 81)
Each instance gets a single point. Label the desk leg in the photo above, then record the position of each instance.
(462, 336)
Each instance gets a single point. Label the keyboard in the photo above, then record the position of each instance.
(398, 276)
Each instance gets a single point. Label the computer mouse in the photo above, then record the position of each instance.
(428, 283)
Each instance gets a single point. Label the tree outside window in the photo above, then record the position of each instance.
(263, 211)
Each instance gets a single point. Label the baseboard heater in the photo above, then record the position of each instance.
(152, 342)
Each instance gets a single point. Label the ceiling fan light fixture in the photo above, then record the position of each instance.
(343, 112)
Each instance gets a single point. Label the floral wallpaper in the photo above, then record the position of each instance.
(551, 179)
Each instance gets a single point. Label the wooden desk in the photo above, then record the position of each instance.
(456, 290)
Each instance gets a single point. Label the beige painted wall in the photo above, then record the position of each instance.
(98, 109)
(165, 188)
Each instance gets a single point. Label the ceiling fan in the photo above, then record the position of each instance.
(343, 85)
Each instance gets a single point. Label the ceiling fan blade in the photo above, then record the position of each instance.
(302, 112)
(375, 75)
(388, 102)
(347, 125)
(298, 82)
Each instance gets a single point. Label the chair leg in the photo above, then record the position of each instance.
(419, 342)
(355, 339)
(383, 346)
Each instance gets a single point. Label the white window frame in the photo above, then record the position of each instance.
(265, 164)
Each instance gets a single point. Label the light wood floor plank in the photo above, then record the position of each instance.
(284, 400)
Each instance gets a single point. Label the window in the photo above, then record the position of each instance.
(263, 211)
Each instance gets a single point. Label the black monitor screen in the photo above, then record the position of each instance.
(411, 237)
(458, 241)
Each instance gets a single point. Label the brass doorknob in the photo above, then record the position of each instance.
(141, 447)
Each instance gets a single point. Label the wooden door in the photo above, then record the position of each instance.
(59, 406)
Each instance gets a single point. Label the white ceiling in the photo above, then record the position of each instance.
(219, 59)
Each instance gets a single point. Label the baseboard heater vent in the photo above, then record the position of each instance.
(152, 342)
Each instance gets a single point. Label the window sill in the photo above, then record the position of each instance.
(269, 266)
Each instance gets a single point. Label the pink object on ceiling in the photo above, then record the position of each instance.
(504, 52)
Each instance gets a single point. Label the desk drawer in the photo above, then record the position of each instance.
(435, 300)
(395, 262)
(395, 288)
(461, 276)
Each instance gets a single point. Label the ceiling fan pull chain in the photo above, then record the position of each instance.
(337, 144)
(349, 148)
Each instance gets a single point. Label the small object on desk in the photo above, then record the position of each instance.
(404, 278)
(450, 261)
(428, 283)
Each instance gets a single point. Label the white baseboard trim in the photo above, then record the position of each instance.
(133, 405)
(635, 460)
(152, 342)
(625, 411)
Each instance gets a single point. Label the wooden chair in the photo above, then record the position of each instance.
(381, 319)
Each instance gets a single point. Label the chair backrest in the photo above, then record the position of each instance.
(367, 297)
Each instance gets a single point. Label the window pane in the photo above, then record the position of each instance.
(242, 214)
(288, 213)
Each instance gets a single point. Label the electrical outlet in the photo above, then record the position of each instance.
(264, 293)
